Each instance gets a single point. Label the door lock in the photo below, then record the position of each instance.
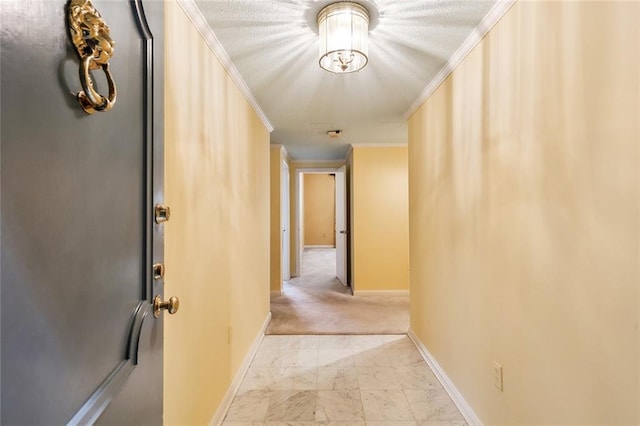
(172, 305)
(158, 271)
(162, 213)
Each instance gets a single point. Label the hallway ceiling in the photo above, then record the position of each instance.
(273, 45)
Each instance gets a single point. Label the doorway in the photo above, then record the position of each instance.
(319, 210)
(322, 220)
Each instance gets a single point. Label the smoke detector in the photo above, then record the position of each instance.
(334, 134)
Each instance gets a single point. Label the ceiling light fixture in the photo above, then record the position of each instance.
(344, 37)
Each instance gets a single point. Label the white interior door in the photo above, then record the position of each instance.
(341, 226)
(284, 217)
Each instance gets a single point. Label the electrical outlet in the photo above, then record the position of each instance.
(497, 375)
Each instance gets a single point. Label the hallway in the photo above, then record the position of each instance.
(490, 153)
(338, 379)
(317, 303)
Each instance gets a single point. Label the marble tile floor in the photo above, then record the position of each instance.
(340, 380)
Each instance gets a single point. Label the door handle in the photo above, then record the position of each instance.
(95, 49)
(172, 305)
(344, 232)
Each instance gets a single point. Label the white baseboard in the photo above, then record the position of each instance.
(457, 398)
(380, 292)
(221, 412)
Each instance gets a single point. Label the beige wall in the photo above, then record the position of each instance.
(217, 241)
(524, 195)
(319, 209)
(379, 218)
(276, 157)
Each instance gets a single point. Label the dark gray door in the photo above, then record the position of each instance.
(80, 343)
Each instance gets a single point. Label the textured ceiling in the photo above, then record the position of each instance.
(274, 46)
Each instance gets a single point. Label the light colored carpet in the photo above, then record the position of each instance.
(317, 303)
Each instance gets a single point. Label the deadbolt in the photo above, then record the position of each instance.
(158, 271)
(172, 305)
(162, 213)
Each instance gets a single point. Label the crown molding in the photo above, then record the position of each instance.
(196, 17)
(497, 11)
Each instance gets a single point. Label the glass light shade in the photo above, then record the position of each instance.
(344, 37)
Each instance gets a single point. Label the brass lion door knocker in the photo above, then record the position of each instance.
(90, 35)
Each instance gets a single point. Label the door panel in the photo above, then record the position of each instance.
(341, 226)
(284, 216)
(139, 399)
(76, 205)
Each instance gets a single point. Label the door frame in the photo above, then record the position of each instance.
(341, 225)
(299, 211)
(285, 222)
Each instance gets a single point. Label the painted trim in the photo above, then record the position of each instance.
(283, 151)
(495, 14)
(319, 246)
(381, 292)
(102, 397)
(196, 17)
(221, 412)
(349, 154)
(465, 409)
(287, 157)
